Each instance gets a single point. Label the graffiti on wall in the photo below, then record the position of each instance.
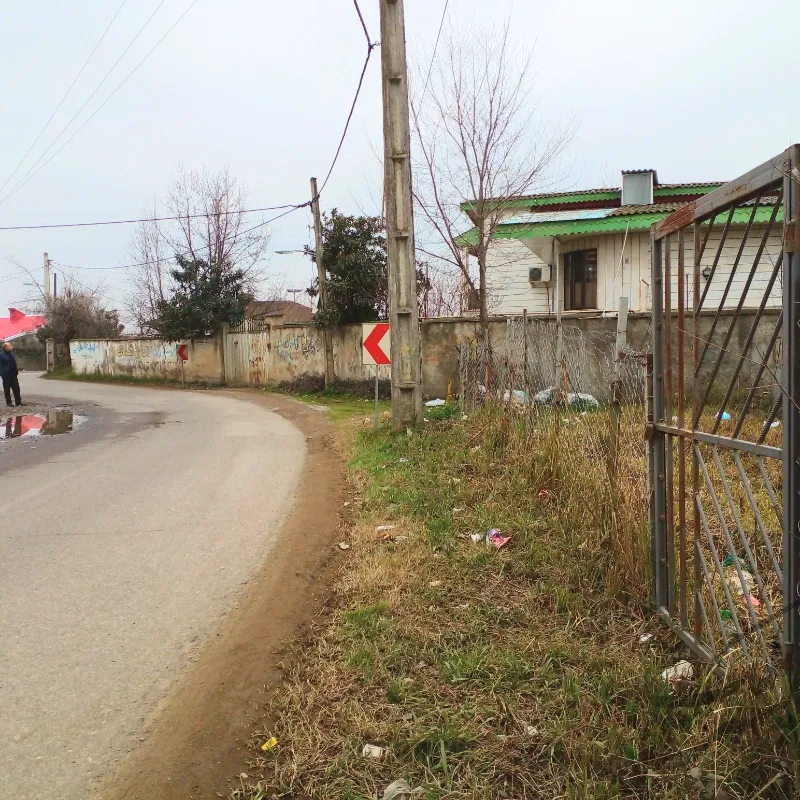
(86, 356)
(293, 347)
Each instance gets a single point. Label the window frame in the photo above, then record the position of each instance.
(571, 303)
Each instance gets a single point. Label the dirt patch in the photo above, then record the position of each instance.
(199, 739)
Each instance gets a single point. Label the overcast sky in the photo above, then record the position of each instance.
(698, 90)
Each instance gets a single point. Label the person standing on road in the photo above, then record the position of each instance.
(9, 374)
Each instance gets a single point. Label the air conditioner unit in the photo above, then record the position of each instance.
(539, 274)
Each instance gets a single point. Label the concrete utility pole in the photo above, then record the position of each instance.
(330, 375)
(46, 277)
(403, 309)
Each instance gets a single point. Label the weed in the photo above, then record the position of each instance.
(510, 673)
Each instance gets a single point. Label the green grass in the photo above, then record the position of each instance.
(503, 674)
(342, 406)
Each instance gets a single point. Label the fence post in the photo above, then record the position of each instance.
(616, 390)
(526, 383)
(648, 439)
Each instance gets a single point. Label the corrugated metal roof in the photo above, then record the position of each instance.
(533, 217)
(613, 223)
(652, 208)
(606, 193)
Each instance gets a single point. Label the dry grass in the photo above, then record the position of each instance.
(506, 674)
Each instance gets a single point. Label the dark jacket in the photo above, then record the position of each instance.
(8, 365)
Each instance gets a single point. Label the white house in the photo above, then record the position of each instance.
(599, 242)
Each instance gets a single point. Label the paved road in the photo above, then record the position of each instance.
(121, 546)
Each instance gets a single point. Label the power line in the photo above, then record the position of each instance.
(435, 48)
(146, 219)
(92, 290)
(119, 86)
(11, 277)
(247, 230)
(66, 94)
(23, 180)
(370, 47)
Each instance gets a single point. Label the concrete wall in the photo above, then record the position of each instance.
(299, 350)
(286, 353)
(150, 358)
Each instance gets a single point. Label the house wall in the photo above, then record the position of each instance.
(508, 263)
(150, 358)
(626, 272)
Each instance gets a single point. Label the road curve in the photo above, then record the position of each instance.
(122, 545)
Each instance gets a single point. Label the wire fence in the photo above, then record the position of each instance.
(575, 404)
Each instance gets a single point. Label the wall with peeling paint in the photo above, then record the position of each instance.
(150, 358)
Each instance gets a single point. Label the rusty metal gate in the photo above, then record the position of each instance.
(723, 419)
(247, 353)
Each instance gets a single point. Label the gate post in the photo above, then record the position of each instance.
(791, 419)
(658, 477)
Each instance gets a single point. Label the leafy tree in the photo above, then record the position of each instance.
(354, 253)
(206, 296)
(78, 313)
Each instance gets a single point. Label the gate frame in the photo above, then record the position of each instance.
(786, 168)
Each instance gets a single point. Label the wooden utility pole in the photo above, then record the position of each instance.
(46, 277)
(330, 375)
(403, 309)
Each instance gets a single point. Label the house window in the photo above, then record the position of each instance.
(580, 280)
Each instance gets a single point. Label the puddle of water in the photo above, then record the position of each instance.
(52, 423)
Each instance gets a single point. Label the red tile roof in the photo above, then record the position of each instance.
(18, 324)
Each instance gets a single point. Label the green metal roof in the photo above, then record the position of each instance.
(697, 188)
(591, 195)
(613, 224)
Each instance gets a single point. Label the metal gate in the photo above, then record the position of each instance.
(247, 353)
(725, 452)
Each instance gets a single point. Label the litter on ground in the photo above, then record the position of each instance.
(269, 744)
(646, 638)
(496, 539)
(579, 401)
(682, 671)
(373, 751)
(344, 546)
(401, 790)
(435, 403)
(385, 528)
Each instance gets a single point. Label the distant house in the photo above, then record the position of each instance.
(594, 245)
(278, 312)
(20, 329)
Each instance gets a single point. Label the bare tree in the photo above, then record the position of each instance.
(78, 312)
(211, 226)
(479, 145)
(441, 289)
(149, 278)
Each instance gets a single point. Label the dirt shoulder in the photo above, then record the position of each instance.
(199, 739)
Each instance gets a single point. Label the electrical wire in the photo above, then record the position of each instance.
(433, 54)
(146, 219)
(11, 277)
(101, 106)
(370, 47)
(92, 290)
(147, 263)
(52, 144)
(66, 94)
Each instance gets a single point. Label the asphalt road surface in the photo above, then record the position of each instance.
(122, 545)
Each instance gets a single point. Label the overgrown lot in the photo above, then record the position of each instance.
(512, 673)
